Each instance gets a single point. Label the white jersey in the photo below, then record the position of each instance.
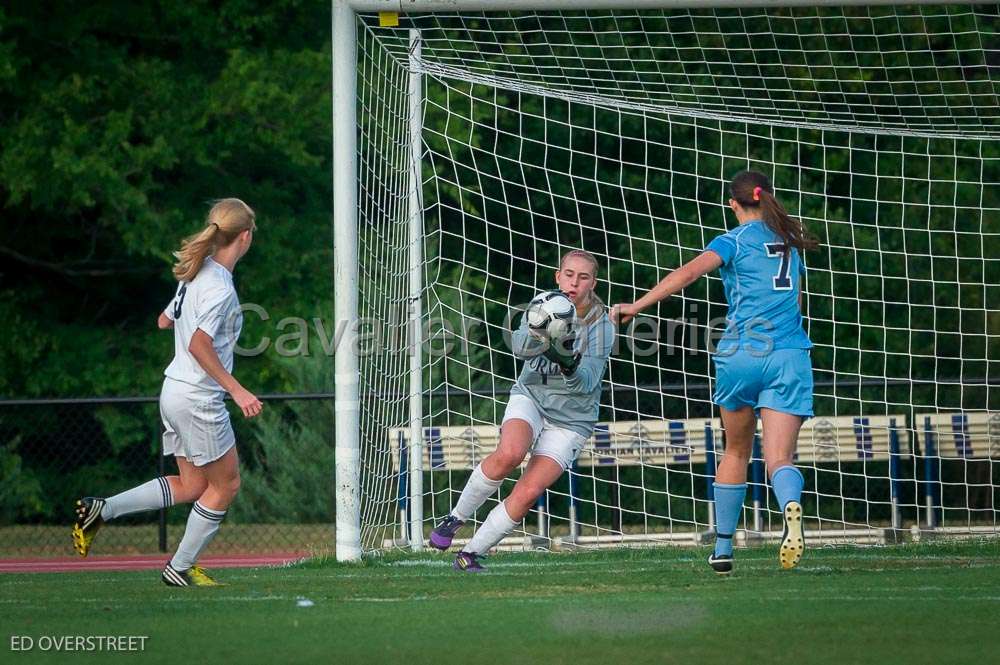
(208, 302)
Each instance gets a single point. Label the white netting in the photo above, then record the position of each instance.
(915, 69)
(618, 133)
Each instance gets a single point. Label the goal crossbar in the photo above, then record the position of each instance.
(428, 6)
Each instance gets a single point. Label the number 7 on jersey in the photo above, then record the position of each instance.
(782, 281)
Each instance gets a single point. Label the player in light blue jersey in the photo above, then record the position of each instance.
(762, 360)
(552, 412)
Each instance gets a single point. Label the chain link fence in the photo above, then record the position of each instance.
(53, 452)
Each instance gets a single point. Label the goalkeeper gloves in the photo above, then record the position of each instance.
(563, 353)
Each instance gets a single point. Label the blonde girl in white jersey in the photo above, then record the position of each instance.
(205, 317)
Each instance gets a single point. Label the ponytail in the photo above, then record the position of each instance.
(193, 251)
(752, 189)
(226, 220)
(596, 310)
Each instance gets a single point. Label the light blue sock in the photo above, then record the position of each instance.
(787, 483)
(728, 504)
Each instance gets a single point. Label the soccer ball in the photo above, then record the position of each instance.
(551, 313)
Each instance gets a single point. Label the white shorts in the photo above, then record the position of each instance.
(549, 440)
(196, 423)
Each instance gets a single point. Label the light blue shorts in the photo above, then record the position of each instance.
(781, 380)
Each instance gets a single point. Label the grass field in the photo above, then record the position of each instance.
(927, 603)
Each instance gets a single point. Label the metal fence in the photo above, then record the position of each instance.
(53, 452)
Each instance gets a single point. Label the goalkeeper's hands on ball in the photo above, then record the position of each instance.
(563, 353)
(550, 318)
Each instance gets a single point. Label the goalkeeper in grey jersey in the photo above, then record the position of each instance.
(551, 412)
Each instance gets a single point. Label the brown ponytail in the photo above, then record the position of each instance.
(752, 189)
(226, 220)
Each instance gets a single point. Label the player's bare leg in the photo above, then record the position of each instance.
(740, 425)
(539, 475)
(730, 484)
(190, 484)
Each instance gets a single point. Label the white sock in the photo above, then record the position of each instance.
(497, 525)
(203, 524)
(477, 490)
(149, 496)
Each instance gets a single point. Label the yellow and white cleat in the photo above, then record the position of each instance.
(88, 523)
(193, 576)
(793, 541)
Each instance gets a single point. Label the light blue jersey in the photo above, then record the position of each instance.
(762, 360)
(762, 279)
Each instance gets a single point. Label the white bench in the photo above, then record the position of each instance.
(962, 435)
(667, 442)
(965, 435)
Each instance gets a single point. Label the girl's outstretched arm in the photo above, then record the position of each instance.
(704, 263)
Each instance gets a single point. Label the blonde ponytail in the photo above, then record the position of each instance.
(226, 220)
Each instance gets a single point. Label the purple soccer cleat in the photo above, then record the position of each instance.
(444, 532)
(468, 562)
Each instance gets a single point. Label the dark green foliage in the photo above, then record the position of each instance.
(286, 457)
(120, 123)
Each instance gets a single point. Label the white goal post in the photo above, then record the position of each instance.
(513, 130)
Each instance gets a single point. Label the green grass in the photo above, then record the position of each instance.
(927, 603)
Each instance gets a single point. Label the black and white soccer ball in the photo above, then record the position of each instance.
(551, 313)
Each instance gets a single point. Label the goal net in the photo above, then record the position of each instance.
(490, 143)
